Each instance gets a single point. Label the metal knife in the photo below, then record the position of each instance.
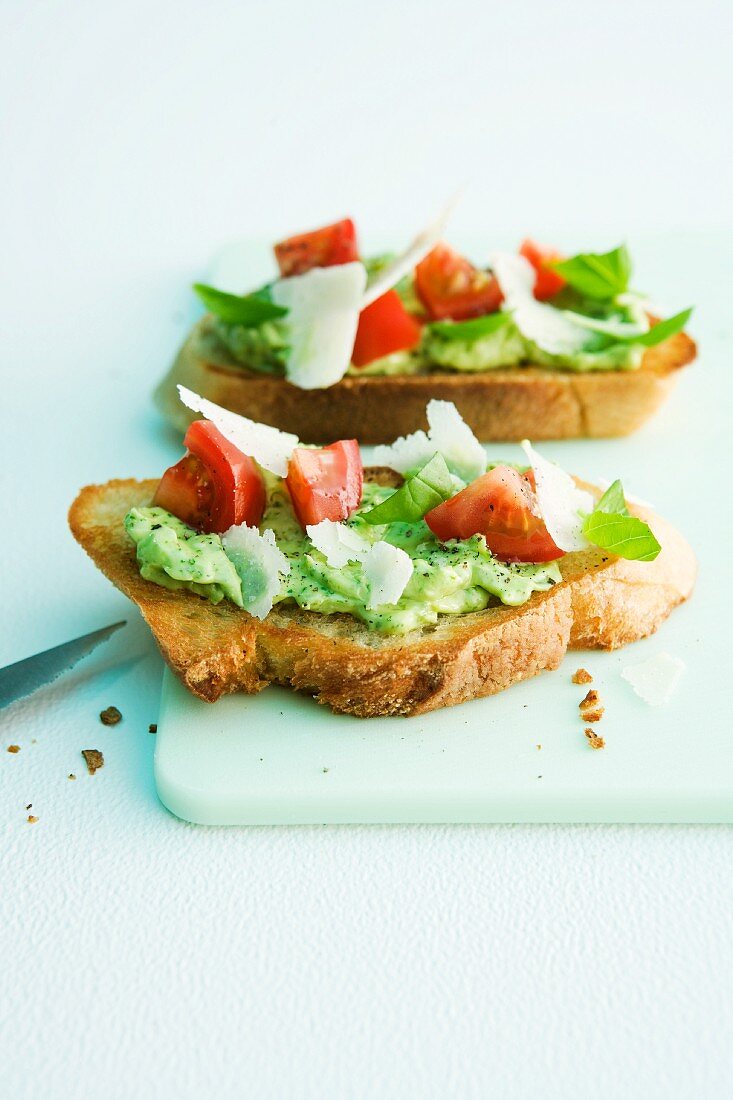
(25, 676)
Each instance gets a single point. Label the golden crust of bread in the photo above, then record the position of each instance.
(514, 403)
(601, 602)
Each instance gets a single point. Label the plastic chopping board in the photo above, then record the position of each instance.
(280, 758)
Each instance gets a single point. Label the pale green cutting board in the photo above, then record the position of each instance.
(280, 758)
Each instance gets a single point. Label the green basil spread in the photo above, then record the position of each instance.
(264, 347)
(447, 579)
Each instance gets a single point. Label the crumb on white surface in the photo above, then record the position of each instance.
(594, 739)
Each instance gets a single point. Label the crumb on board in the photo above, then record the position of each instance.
(110, 716)
(32, 819)
(71, 775)
(325, 770)
(13, 748)
(594, 739)
(591, 708)
(94, 760)
(29, 806)
(539, 747)
(582, 676)
(153, 727)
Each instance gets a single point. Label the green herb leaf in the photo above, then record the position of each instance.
(426, 489)
(623, 535)
(249, 310)
(470, 330)
(663, 330)
(613, 500)
(597, 274)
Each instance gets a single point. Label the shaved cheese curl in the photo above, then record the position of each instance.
(268, 446)
(259, 563)
(387, 570)
(338, 543)
(560, 500)
(407, 261)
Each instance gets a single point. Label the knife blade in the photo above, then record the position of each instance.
(26, 676)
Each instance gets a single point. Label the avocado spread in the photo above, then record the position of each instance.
(264, 347)
(447, 579)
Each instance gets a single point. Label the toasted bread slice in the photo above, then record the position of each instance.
(505, 404)
(602, 602)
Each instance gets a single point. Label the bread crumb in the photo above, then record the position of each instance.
(32, 819)
(94, 760)
(539, 746)
(594, 739)
(71, 775)
(582, 676)
(591, 708)
(110, 716)
(29, 806)
(13, 748)
(153, 727)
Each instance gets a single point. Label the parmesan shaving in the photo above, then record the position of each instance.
(544, 325)
(406, 453)
(387, 570)
(268, 446)
(451, 435)
(655, 679)
(259, 563)
(323, 314)
(560, 501)
(448, 433)
(338, 543)
(408, 260)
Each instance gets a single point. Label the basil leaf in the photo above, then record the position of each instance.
(663, 330)
(249, 310)
(623, 535)
(426, 489)
(470, 330)
(597, 274)
(613, 500)
(611, 527)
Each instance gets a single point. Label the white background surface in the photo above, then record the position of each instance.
(142, 957)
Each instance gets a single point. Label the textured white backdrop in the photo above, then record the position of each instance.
(142, 957)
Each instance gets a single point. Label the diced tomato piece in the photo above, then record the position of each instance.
(214, 486)
(325, 482)
(384, 327)
(326, 247)
(187, 491)
(548, 281)
(502, 506)
(450, 287)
